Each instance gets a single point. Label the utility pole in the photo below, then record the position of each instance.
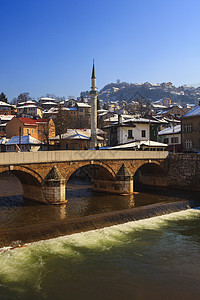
(20, 133)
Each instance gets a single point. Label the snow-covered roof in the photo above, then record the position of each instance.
(49, 103)
(194, 112)
(81, 104)
(170, 130)
(25, 140)
(137, 144)
(47, 99)
(28, 106)
(3, 141)
(6, 117)
(76, 134)
(141, 120)
(4, 104)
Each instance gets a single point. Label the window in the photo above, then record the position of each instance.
(166, 140)
(143, 133)
(174, 140)
(188, 128)
(86, 110)
(27, 131)
(32, 130)
(130, 133)
(188, 144)
(38, 132)
(81, 110)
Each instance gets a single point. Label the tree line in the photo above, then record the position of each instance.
(25, 96)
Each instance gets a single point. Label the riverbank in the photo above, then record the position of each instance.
(33, 233)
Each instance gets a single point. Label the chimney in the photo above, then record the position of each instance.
(119, 119)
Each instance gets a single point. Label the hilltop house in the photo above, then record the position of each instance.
(5, 108)
(29, 111)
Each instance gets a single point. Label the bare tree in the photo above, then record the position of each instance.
(23, 97)
(48, 131)
(63, 121)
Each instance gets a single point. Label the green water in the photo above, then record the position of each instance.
(157, 258)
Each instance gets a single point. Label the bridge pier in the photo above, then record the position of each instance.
(122, 184)
(53, 187)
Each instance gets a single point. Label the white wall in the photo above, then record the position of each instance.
(169, 136)
(122, 133)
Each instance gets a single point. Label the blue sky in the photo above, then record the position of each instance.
(47, 46)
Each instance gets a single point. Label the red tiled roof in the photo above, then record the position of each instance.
(29, 121)
(42, 121)
(2, 133)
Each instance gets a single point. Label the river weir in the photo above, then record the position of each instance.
(31, 233)
(155, 258)
(96, 246)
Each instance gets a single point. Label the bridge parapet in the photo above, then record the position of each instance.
(76, 155)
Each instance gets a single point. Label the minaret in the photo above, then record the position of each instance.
(93, 95)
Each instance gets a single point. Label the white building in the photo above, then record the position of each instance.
(135, 129)
(28, 111)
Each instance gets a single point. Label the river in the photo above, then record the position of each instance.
(156, 258)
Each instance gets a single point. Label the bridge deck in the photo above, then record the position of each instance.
(13, 158)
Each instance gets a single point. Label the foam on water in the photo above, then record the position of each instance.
(29, 266)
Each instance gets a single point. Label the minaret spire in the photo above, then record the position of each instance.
(93, 71)
(93, 95)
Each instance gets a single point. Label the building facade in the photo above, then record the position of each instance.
(190, 130)
(41, 129)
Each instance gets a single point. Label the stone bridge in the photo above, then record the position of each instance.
(43, 175)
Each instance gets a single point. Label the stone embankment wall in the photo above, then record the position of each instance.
(184, 171)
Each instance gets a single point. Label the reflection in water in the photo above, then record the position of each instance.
(82, 201)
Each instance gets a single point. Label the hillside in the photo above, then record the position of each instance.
(130, 92)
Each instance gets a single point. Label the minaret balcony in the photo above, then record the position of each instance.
(95, 93)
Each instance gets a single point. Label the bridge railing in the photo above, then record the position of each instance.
(13, 158)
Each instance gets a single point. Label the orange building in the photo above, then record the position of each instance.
(41, 129)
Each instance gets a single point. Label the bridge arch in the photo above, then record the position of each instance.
(150, 174)
(31, 182)
(98, 170)
(101, 176)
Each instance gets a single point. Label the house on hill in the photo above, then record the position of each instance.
(5, 108)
